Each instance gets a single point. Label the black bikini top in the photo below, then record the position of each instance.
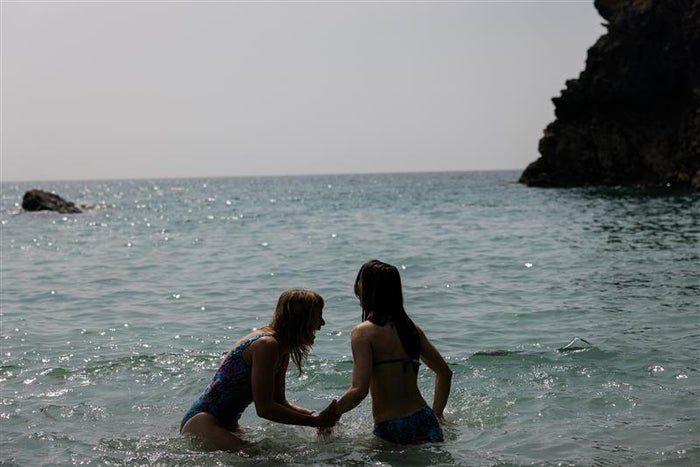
(406, 361)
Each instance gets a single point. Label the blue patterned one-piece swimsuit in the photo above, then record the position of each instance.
(230, 390)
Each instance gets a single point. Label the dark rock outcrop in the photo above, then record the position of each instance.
(40, 200)
(633, 115)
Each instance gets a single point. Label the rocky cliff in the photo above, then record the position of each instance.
(633, 115)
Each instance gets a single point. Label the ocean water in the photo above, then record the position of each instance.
(114, 320)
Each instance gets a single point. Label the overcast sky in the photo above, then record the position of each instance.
(125, 89)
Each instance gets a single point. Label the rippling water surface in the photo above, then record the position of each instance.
(114, 320)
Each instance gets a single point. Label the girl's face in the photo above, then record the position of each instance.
(316, 323)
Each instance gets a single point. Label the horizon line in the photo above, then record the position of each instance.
(116, 179)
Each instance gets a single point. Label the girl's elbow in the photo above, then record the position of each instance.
(263, 411)
(360, 392)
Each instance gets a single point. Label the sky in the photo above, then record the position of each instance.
(95, 90)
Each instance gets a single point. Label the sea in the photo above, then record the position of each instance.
(570, 317)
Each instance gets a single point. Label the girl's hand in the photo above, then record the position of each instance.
(328, 417)
(443, 421)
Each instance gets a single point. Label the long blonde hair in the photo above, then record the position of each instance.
(291, 321)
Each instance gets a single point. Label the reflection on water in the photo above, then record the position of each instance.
(113, 322)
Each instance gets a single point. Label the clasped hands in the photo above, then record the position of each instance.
(326, 419)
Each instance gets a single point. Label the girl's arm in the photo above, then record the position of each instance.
(270, 402)
(280, 384)
(361, 371)
(443, 375)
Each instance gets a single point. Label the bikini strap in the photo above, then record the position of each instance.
(405, 361)
(244, 345)
(254, 338)
(395, 360)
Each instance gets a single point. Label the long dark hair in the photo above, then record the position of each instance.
(378, 286)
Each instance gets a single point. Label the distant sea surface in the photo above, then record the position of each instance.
(114, 320)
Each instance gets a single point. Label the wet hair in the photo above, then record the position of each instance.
(378, 286)
(291, 321)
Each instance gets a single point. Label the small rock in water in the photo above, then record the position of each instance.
(40, 200)
(576, 343)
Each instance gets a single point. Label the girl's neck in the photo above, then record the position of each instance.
(283, 346)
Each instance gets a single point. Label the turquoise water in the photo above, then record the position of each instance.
(113, 321)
